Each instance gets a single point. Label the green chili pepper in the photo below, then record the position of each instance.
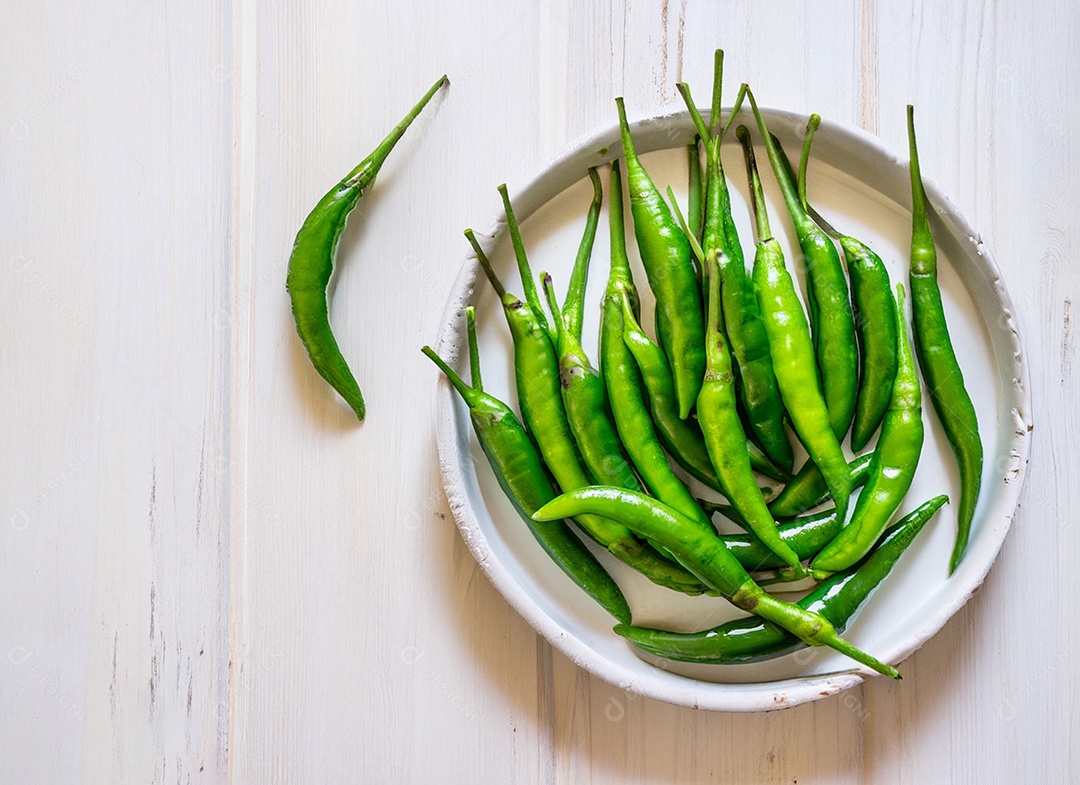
(582, 390)
(937, 359)
(536, 371)
(873, 306)
(312, 263)
(806, 536)
(831, 320)
(893, 466)
(665, 253)
(807, 489)
(742, 323)
(750, 639)
(705, 555)
(536, 368)
(622, 381)
(723, 430)
(792, 348)
(681, 438)
(695, 204)
(522, 476)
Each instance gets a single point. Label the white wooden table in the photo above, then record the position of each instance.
(209, 573)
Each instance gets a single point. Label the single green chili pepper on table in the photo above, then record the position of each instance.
(724, 437)
(750, 639)
(522, 476)
(831, 321)
(312, 263)
(622, 381)
(893, 466)
(792, 348)
(666, 256)
(742, 324)
(705, 555)
(873, 306)
(937, 358)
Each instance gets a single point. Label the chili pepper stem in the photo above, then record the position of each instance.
(459, 384)
(761, 215)
(804, 158)
(527, 282)
(485, 264)
(816, 631)
(574, 305)
(474, 349)
(718, 82)
(366, 170)
(695, 246)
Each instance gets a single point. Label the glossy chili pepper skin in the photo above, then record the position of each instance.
(742, 324)
(831, 320)
(807, 489)
(874, 310)
(536, 372)
(583, 395)
(665, 253)
(705, 555)
(722, 428)
(805, 536)
(522, 476)
(752, 639)
(681, 438)
(792, 348)
(892, 468)
(312, 263)
(937, 358)
(539, 384)
(622, 381)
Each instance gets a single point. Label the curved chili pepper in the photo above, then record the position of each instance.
(742, 325)
(522, 476)
(893, 466)
(312, 263)
(807, 489)
(536, 372)
(751, 639)
(937, 359)
(622, 381)
(723, 430)
(681, 438)
(705, 555)
(872, 302)
(792, 348)
(582, 391)
(665, 253)
(536, 368)
(831, 321)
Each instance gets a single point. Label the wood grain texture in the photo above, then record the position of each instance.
(211, 574)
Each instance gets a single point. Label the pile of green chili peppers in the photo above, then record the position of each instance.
(737, 368)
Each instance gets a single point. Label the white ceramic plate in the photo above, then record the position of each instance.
(863, 190)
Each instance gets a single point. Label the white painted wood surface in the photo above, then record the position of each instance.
(210, 574)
